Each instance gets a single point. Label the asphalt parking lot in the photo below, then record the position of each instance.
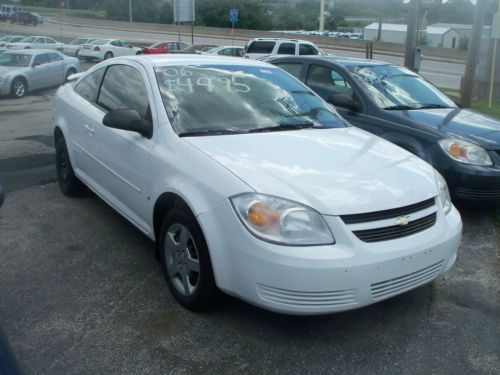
(82, 292)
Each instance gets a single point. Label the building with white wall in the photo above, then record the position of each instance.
(446, 37)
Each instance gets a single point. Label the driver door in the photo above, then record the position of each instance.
(327, 81)
(120, 162)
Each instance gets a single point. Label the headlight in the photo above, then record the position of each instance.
(281, 221)
(444, 193)
(465, 152)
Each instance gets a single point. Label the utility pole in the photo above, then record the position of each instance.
(380, 20)
(322, 15)
(472, 56)
(411, 34)
(130, 10)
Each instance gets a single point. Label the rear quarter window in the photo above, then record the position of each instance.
(261, 47)
(292, 68)
(88, 87)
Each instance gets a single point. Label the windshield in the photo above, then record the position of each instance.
(395, 87)
(29, 39)
(156, 45)
(15, 59)
(239, 99)
(99, 42)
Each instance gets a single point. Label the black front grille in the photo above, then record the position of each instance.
(387, 214)
(396, 231)
(477, 194)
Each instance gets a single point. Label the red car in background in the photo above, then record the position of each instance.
(165, 47)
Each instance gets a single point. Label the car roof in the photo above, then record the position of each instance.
(192, 59)
(281, 40)
(345, 61)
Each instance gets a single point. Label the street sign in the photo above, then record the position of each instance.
(234, 15)
(184, 11)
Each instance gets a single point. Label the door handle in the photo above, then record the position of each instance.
(90, 129)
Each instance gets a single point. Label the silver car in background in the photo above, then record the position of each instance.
(26, 70)
(72, 48)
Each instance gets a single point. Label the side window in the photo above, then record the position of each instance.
(307, 49)
(225, 52)
(171, 46)
(40, 41)
(286, 49)
(123, 88)
(292, 68)
(261, 47)
(41, 59)
(183, 46)
(50, 41)
(88, 87)
(327, 82)
(238, 52)
(116, 43)
(126, 44)
(54, 57)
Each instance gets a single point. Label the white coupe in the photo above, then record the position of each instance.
(104, 49)
(251, 184)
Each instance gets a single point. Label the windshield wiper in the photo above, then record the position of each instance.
(430, 106)
(280, 127)
(399, 108)
(196, 133)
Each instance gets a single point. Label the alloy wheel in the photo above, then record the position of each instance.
(182, 260)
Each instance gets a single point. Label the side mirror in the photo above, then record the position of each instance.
(130, 120)
(344, 101)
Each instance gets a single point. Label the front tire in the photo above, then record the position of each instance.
(70, 185)
(108, 55)
(186, 261)
(19, 88)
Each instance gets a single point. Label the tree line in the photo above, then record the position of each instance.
(273, 14)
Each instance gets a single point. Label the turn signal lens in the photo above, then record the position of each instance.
(465, 152)
(260, 215)
(281, 221)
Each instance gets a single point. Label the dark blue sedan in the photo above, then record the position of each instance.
(404, 108)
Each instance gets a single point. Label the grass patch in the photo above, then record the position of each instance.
(480, 106)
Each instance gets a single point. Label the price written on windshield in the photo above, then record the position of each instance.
(183, 80)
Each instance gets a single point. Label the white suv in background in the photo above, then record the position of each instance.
(264, 47)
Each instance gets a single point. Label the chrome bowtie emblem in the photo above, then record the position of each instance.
(403, 220)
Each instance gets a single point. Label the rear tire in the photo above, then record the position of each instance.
(186, 261)
(108, 55)
(70, 185)
(69, 73)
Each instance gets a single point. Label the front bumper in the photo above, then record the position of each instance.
(474, 183)
(325, 279)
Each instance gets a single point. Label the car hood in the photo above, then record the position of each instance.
(19, 44)
(460, 123)
(335, 171)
